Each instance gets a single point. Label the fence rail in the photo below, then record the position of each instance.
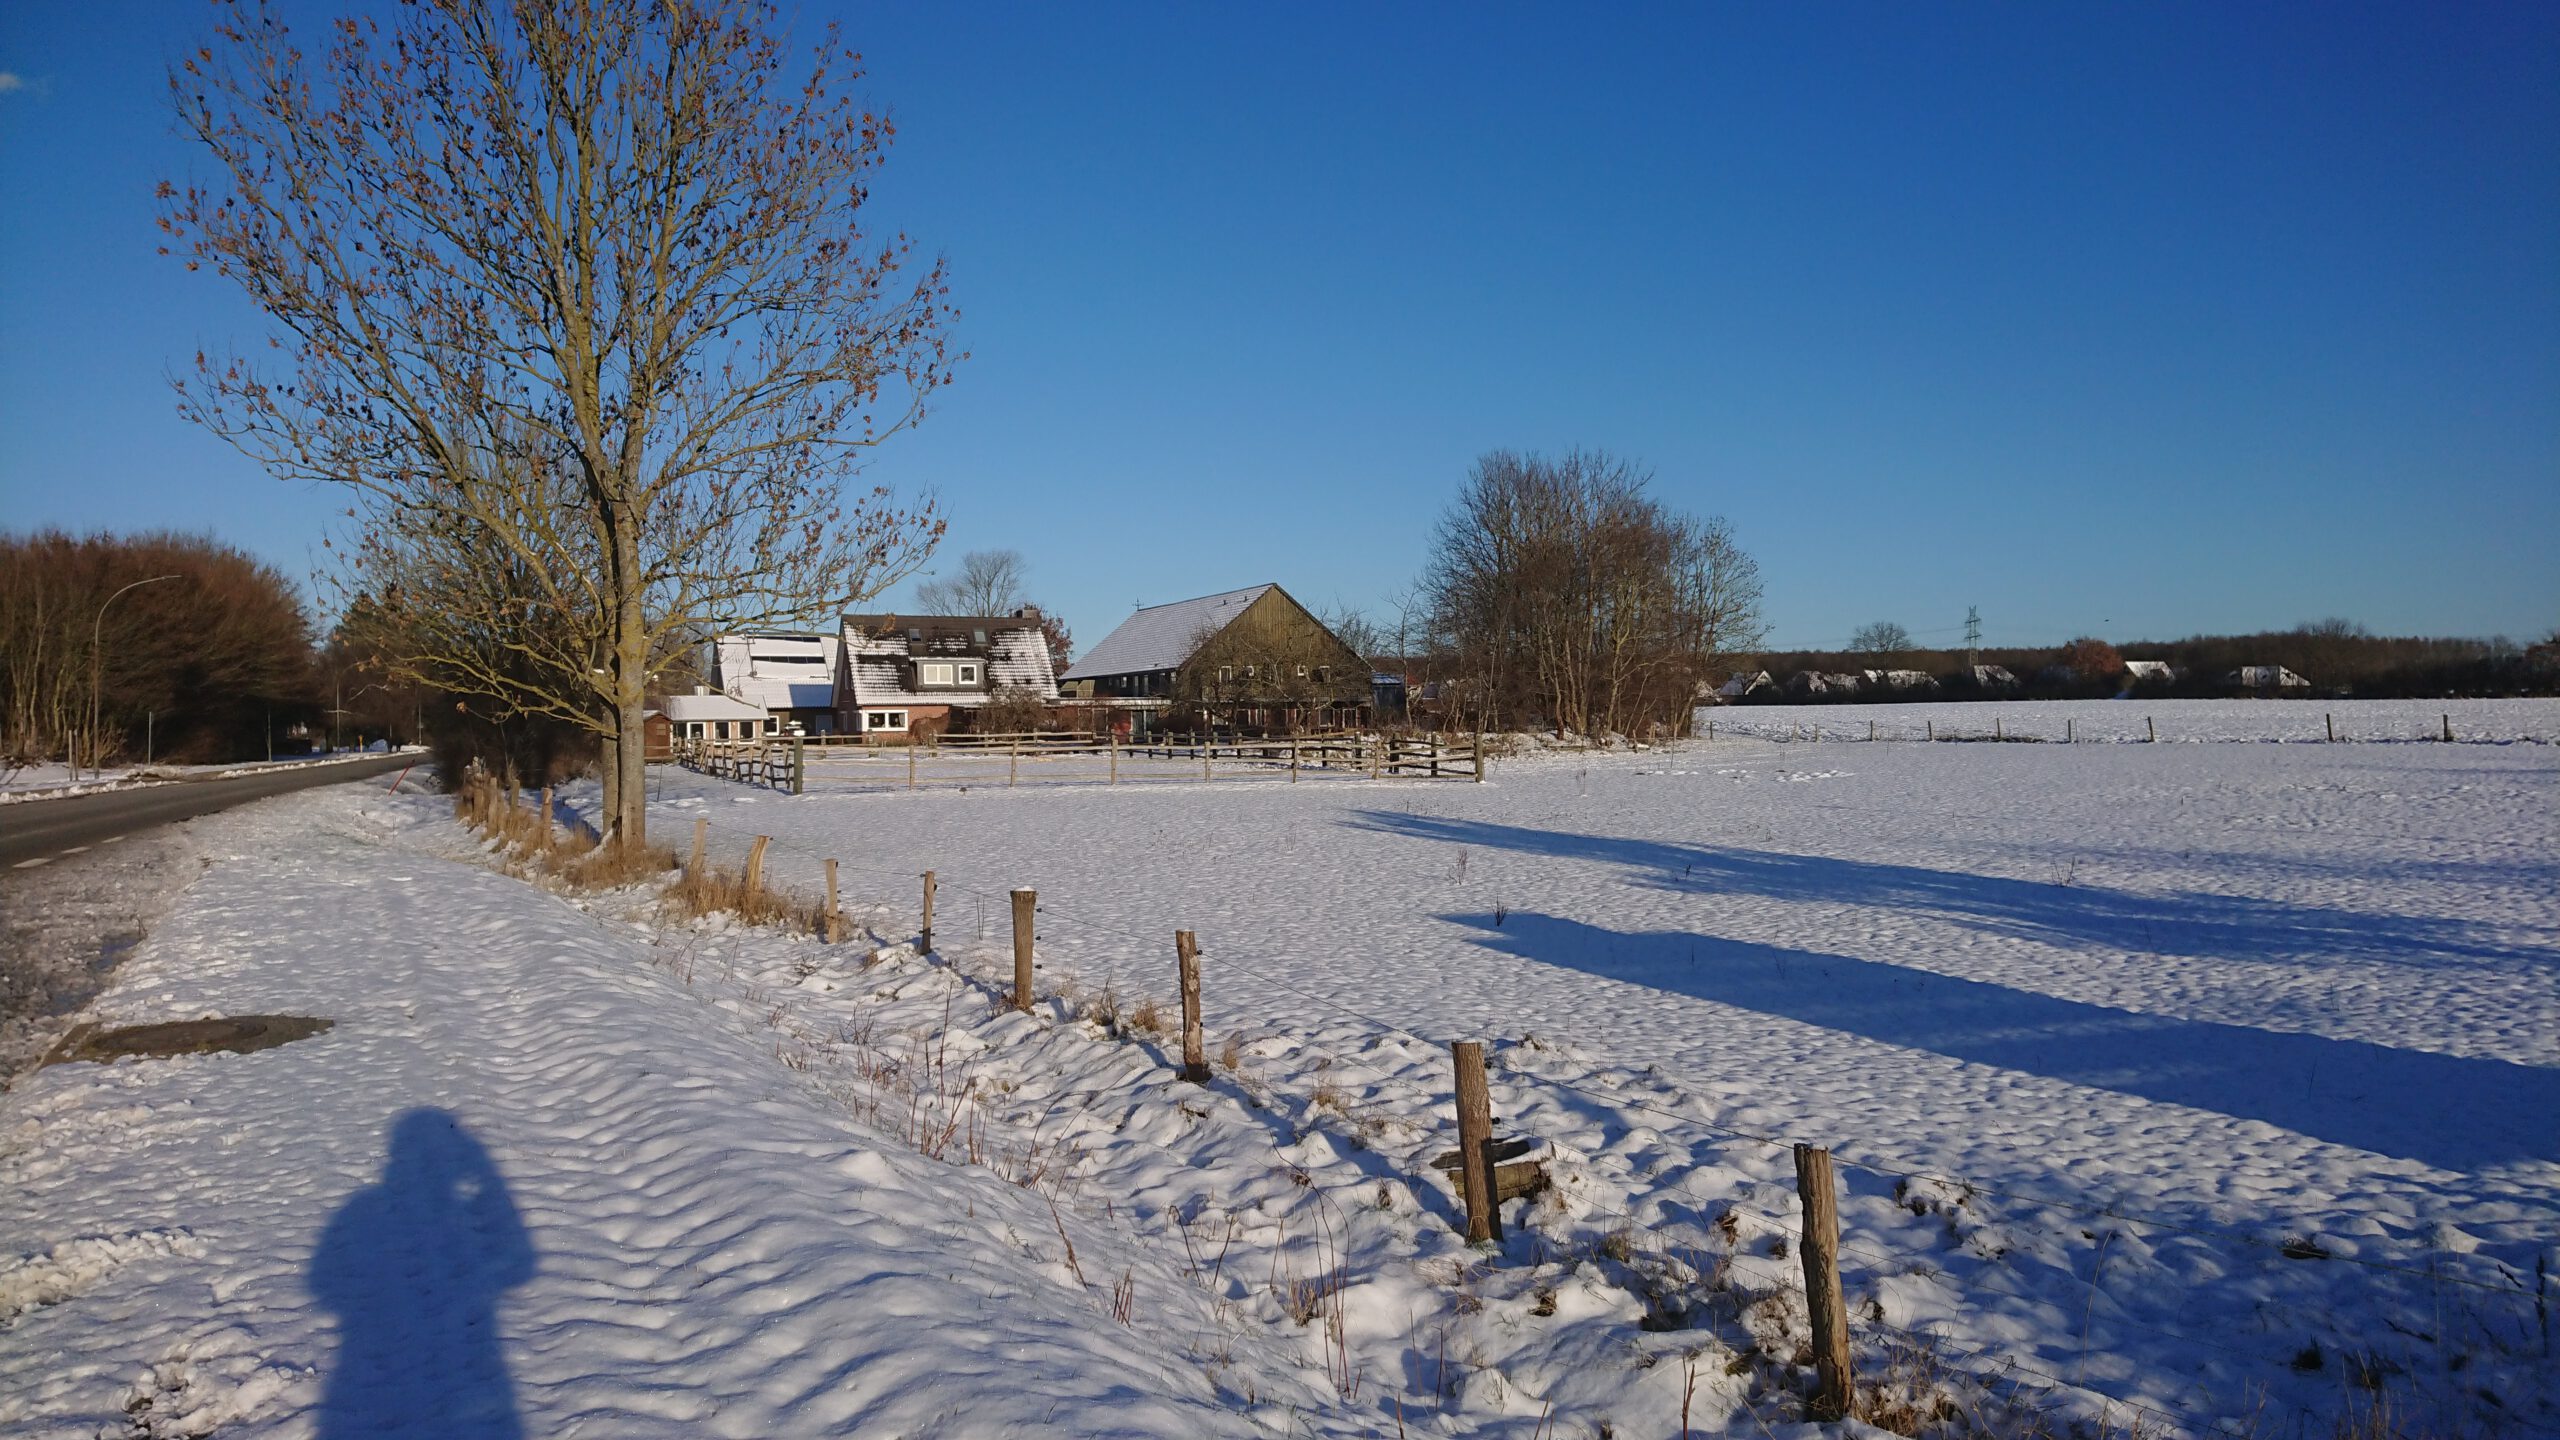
(790, 763)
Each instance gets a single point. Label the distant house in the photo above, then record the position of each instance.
(1818, 682)
(1900, 680)
(707, 714)
(1741, 684)
(791, 676)
(904, 672)
(1253, 659)
(1994, 677)
(2265, 677)
(2149, 672)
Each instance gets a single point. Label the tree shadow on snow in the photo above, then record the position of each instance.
(2205, 926)
(2441, 1110)
(413, 1268)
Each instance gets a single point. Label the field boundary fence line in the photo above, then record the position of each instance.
(2028, 727)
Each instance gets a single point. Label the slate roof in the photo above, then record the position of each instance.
(1162, 637)
(879, 650)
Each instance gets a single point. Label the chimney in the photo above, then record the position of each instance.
(701, 689)
(1027, 612)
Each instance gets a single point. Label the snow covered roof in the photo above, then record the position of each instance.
(1741, 684)
(2149, 670)
(881, 652)
(2265, 677)
(1162, 637)
(1993, 675)
(777, 670)
(685, 709)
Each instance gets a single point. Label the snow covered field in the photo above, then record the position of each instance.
(2172, 721)
(2221, 1081)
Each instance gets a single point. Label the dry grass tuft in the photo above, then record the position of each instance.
(717, 891)
(1146, 1019)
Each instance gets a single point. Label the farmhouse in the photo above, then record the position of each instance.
(904, 674)
(2148, 672)
(1252, 659)
(790, 676)
(2265, 677)
(1742, 684)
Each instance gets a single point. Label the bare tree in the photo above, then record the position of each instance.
(590, 280)
(1884, 637)
(1567, 594)
(988, 582)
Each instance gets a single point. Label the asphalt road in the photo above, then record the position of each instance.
(36, 832)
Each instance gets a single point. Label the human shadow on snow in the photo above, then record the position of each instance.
(2206, 926)
(413, 1268)
(2447, 1111)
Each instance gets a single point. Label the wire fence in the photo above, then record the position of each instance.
(2107, 723)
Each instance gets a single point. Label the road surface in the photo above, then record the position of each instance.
(38, 832)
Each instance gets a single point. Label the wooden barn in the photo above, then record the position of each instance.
(1252, 660)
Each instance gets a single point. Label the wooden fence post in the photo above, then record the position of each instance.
(924, 942)
(2070, 731)
(1711, 734)
(2151, 727)
(1013, 771)
(755, 866)
(835, 916)
(1475, 1142)
(1115, 758)
(1293, 759)
(911, 760)
(546, 819)
(701, 838)
(1195, 1042)
(2331, 721)
(1025, 903)
(800, 767)
(1995, 729)
(1206, 740)
(1871, 732)
(1933, 731)
(2448, 729)
(1820, 1247)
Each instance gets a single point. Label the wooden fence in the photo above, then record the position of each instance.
(786, 763)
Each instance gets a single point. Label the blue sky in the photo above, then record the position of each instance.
(2130, 320)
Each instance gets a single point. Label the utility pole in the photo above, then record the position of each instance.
(1972, 637)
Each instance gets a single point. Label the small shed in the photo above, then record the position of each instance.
(707, 715)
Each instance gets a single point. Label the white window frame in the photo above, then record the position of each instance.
(968, 673)
(1226, 674)
(934, 672)
(886, 722)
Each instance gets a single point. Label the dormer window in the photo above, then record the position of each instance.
(948, 672)
(968, 672)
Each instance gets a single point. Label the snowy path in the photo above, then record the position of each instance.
(681, 1240)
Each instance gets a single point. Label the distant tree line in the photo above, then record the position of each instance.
(2339, 658)
(188, 646)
